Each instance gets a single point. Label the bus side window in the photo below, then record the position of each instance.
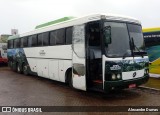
(32, 41)
(25, 42)
(46, 39)
(69, 35)
(40, 39)
(14, 43)
(21, 42)
(29, 41)
(52, 38)
(17, 43)
(10, 44)
(60, 37)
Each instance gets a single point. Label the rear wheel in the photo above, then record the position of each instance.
(25, 69)
(18, 68)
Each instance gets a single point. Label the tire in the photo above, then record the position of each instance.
(18, 68)
(70, 80)
(25, 69)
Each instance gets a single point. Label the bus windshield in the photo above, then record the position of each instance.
(119, 40)
(135, 32)
(122, 37)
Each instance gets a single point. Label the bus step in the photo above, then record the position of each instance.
(98, 84)
(98, 81)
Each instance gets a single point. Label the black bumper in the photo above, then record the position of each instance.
(122, 84)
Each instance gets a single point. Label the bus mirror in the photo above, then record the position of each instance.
(107, 35)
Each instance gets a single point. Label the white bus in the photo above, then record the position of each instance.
(96, 52)
(3, 53)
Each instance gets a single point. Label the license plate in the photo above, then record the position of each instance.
(132, 85)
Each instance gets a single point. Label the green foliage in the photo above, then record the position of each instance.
(4, 38)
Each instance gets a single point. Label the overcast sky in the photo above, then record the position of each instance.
(24, 15)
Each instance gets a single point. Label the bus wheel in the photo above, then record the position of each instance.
(25, 69)
(70, 80)
(18, 69)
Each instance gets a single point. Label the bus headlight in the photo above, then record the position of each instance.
(113, 76)
(118, 76)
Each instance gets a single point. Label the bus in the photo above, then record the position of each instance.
(3, 53)
(152, 42)
(96, 52)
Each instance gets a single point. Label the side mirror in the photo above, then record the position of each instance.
(107, 34)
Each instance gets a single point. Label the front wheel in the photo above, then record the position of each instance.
(25, 69)
(70, 80)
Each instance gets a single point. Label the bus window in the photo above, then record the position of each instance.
(60, 37)
(52, 38)
(45, 38)
(69, 35)
(16, 43)
(40, 39)
(10, 44)
(25, 42)
(78, 40)
(32, 41)
(21, 42)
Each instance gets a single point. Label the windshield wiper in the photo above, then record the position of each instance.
(126, 54)
(134, 46)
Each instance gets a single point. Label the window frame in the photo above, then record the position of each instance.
(70, 42)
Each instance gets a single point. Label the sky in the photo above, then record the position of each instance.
(24, 15)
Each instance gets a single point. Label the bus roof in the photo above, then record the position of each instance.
(155, 29)
(70, 21)
(55, 21)
(13, 37)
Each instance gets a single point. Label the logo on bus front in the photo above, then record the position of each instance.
(134, 74)
(115, 67)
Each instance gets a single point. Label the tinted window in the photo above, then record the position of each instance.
(60, 37)
(45, 38)
(40, 39)
(16, 43)
(52, 38)
(152, 38)
(32, 41)
(10, 44)
(69, 35)
(25, 42)
(21, 42)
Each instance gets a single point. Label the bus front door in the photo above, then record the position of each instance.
(78, 58)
